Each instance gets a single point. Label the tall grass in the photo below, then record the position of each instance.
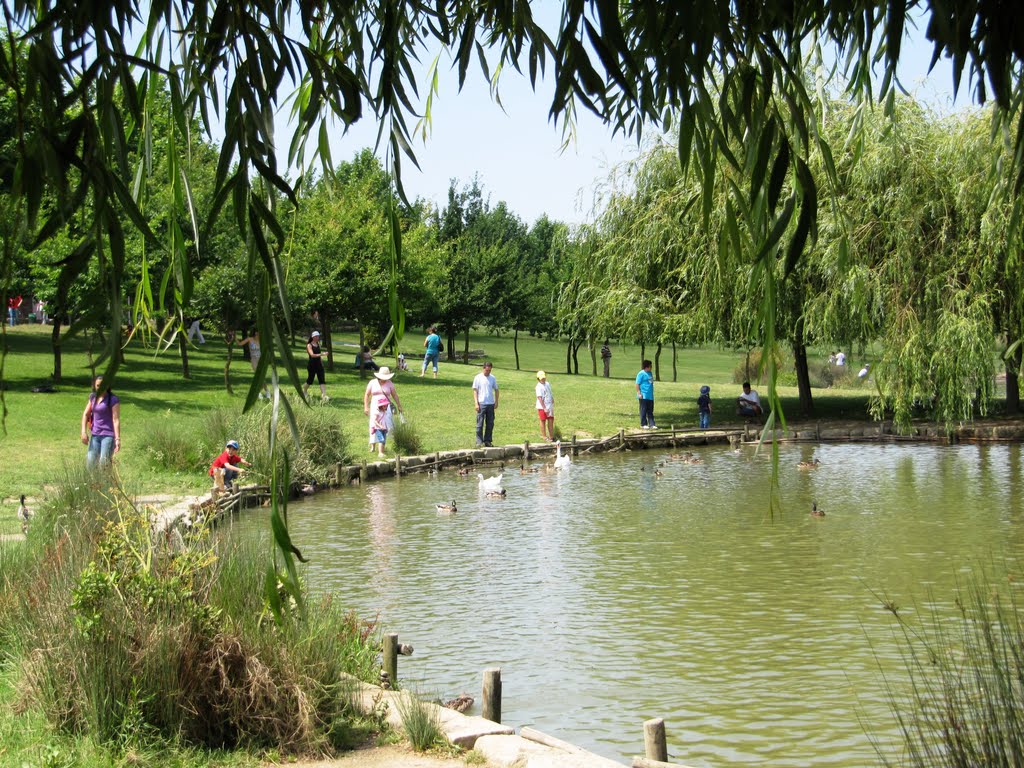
(966, 705)
(120, 636)
(420, 721)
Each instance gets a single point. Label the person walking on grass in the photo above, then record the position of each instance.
(606, 358)
(379, 386)
(253, 340)
(645, 395)
(101, 426)
(432, 345)
(704, 407)
(485, 398)
(545, 407)
(315, 366)
(380, 424)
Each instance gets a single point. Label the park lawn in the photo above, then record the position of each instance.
(42, 430)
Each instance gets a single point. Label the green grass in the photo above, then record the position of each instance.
(161, 411)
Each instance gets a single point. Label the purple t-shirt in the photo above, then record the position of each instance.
(103, 414)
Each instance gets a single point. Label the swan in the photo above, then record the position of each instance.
(561, 462)
(815, 512)
(490, 483)
(447, 509)
(24, 515)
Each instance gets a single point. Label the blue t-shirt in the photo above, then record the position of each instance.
(646, 382)
(433, 344)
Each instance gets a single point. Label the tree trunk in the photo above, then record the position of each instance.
(55, 345)
(568, 358)
(229, 341)
(183, 350)
(593, 356)
(451, 346)
(465, 347)
(575, 358)
(643, 353)
(657, 363)
(675, 371)
(803, 376)
(1013, 383)
(515, 346)
(325, 334)
(362, 343)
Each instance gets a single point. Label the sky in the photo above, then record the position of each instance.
(517, 152)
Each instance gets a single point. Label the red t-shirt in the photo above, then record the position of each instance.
(223, 459)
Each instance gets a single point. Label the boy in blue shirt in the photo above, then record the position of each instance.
(645, 394)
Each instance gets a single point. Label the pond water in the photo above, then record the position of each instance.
(609, 595)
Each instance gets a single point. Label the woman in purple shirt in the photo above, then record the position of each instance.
(101, 425)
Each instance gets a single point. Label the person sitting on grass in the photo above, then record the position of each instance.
(749, 403)
(227, 466)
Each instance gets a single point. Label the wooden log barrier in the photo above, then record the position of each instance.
(575, 451)
(655, 745)
(491, 703)
(398, 466)
(390, 654)
(622, 438)
(526, 451)
(363, 472)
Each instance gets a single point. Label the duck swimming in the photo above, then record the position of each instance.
(815, 512)
(464, 471)
(525, 470)
(447, 509)
(808, 464)
(498, 494)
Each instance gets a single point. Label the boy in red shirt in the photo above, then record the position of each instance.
(227, 466)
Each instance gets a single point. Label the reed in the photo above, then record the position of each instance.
(420, 722)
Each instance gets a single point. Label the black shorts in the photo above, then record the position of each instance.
(314, 369)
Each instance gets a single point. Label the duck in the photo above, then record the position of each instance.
(490, 483)
(464, 471)
(658, 473)
(460, 703)
(24, 515)
(308, 489)
(689, 458)
(525, 470)
(815, 512)
(498, 494)
(446, 509)
(808, 464)
(561, 462)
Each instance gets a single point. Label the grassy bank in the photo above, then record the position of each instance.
(163, 414)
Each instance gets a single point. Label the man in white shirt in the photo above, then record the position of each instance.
(749, 403)
(485, 397)
(840, 358)
(863, 373)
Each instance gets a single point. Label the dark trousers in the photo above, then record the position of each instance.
(646, 413)
(485, 424)
(607, 367)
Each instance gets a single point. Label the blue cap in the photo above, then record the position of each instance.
(232, 444)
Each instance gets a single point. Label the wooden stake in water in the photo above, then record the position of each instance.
(492, 695)
(655, 746)
(390, 654)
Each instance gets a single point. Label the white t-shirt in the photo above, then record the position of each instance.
(751, 397)
(863, 372)
(485, 387)
(545, 399)
(840, 358)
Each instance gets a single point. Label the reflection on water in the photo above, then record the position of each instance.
(609, 595)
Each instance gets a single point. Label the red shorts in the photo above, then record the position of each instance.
(543, 415)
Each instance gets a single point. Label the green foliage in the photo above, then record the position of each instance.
(404, 439)
(420, 721)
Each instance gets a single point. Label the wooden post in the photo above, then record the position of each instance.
(655, 747)
(339, 473)
(390, 654)
(575, 450)
(526, 451)
(363, 471)
(673, 436)
(492, 695)
(398, 465)
(622, 437)
(437, 461)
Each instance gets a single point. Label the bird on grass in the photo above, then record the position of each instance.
(808, 464)
(447, 509)
(561, 462)
(490, 483)
(815, 512)
(24, 515)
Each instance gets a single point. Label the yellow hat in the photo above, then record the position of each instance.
(541, 375)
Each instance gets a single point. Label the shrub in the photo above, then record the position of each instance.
(405, 440)
(129, 639)
(179, 446)
(750, 368)
(420, 721)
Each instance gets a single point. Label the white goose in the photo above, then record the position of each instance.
(490, 483)
(561, 462)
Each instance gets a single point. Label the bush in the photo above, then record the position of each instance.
(131, 638)
(750, 369)
(405, 440)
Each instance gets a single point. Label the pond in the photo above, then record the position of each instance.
(609, 594)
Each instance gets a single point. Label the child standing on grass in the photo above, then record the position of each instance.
(380, 423)
(704, 407)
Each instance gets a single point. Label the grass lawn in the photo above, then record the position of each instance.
(42, 430)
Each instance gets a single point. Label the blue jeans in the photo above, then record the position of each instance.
(646, 413)
(704, 418)
(430, 357)
(101, 449)
(485, 424)
(230, 476)
(12, 316)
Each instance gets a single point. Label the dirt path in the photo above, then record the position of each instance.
(391, 756)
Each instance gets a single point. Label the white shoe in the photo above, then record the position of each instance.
(324, 399)
(653, 426)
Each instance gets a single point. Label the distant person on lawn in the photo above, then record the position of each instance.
(432, 344)
(253, 340)
(749, 402)
(485, 399)
(545, 407)
(380, 386)
(606, 358)
(315, 366)
(704, 407)
(101, 426)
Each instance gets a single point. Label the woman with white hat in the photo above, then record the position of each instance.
(381, 386)
(545, 407)
(315, 366)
